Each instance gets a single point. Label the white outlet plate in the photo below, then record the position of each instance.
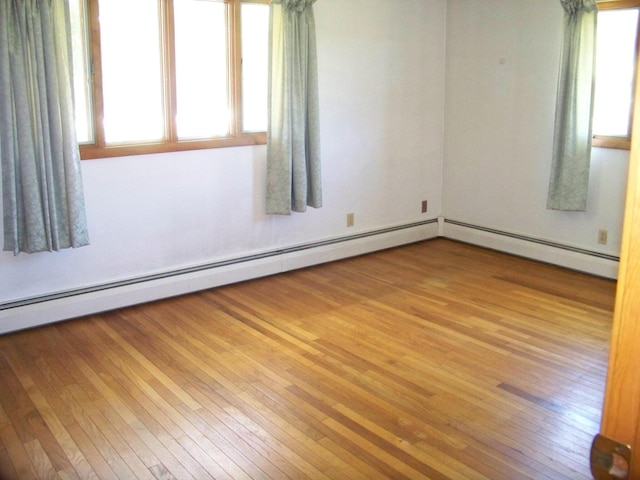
(350, 220)
(602, 236)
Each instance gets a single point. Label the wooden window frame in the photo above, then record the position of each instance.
(621, 143)
(235, 138)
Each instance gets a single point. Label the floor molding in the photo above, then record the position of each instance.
(64, 305)
(575, 258)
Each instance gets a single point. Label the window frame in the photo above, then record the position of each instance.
(235, 138)
(621, 143)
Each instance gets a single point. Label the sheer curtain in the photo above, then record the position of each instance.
(569, 180)
(293, 134)
(41, 180)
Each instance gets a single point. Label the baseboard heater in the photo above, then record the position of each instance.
(66, 304)
(568, 256)
(210, 266)
(538, 241)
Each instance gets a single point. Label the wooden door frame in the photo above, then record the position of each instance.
(621, 409)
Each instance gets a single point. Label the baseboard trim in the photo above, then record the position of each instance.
(588, 261)
(40, 310)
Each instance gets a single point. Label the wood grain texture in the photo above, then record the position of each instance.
(436, 360)
(621, 412)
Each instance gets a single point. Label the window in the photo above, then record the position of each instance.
(616, 54)
(164, 75)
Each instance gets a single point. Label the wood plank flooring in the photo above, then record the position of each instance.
(436, 360)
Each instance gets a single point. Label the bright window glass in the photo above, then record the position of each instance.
(167, 76)
(255, 44)
(615, 71)
(131, 71)
(81, 85)
(201, 73)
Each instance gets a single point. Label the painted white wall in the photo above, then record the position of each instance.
(390, 138)
(502, 71)
(381, 69)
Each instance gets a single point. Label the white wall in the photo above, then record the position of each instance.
(381, 67)
(502, 71)
(391, 138)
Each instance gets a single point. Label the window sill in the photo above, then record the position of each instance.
(91, 152)
(619, 143)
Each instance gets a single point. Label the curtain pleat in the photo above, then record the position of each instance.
(42, 194)
(293, 134)
(569, 181)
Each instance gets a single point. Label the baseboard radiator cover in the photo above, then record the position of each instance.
(567, 256)
(40, 310)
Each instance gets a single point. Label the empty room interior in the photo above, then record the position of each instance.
(433, 319)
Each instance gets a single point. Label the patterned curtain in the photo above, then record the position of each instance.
(293, 133)
(569, 180)
(42, 197)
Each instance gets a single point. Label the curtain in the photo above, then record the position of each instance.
(293, 134)
(569, 180)
(43, 206)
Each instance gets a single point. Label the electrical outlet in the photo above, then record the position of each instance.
(424, 206)
(602, 236)
(350, 220)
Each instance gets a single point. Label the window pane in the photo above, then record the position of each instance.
(81, 86)
(615, 68)
(201, 69)
(131, 70)
(255, 45)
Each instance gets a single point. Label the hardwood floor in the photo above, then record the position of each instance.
(436, 360)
